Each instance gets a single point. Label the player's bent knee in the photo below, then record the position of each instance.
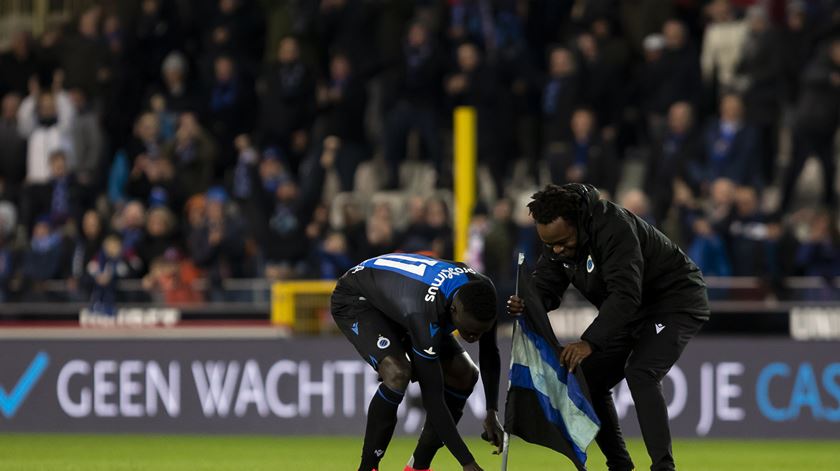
(395, 372)
(461, 373)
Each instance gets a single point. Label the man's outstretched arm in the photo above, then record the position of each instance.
(430, 378)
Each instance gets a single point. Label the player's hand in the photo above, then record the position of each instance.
(493, 431)
(515, 305)
(574, 353)
(473, 467)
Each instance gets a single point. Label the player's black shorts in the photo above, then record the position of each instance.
(374, 335)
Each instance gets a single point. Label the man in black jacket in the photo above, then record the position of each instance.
(651, 299)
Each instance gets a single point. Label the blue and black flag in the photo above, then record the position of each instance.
(546, 405)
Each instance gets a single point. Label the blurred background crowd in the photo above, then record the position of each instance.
(175, 141)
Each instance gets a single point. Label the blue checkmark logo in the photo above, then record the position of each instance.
(10, 403)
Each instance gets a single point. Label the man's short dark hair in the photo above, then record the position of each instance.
(478, 298)
(555, 201)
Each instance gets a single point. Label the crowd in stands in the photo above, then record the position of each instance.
(173, 141)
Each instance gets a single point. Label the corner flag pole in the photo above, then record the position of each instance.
(506, 436)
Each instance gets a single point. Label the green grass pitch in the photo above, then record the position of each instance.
(37, 452)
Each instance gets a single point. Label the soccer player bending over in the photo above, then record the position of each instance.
(399, 311)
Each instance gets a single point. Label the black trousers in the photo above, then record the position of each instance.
(642, 354)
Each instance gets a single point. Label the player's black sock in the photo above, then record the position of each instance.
(429, 443)
(382, 418)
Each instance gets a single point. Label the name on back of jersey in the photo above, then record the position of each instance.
(441, 277)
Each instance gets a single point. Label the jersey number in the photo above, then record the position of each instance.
(407, 263)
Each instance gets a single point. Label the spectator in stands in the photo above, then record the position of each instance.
(45, 258)
(332, 258)
(130, 224)
(682, 57)
(60, 198)
(231, 109)
(585, 157)
(160, 234)
(48, 52)
(381, 234)
(167, 118)
(641, 18)
(638, 203)
(671, 156)
(731, 147)
(105, 270)
(702, 227)
(342, 104)
(193, 152)
(18, 64)
(612, 48)
(218, 247)
(12, 148)
(647, 79)
(152, 180)
(467, 22)
(681, 80)
(88, 141)
(7, 254)
(601, 76)
(437, 219)
(721, 203)
(500, 246)
(346, 25)
(172, 279)
(146, 142)
(474, 83)
(355, 230)
(796, 46)
(88, 244)
(157, 33)
(292, 208)
(417, 235)
(244, 186)
(707, 249)
(723, 41)
(233, 28)
(527, 240)
(319, 224)
(816, 120)
(819, 254)
(287, 101)
(561, 94)
(48, 128)
(748, 236)
(116, 101)
(413, 102)
(759, 80)
(195, 217)
(476, 233)
(177, 90)
(84, 55)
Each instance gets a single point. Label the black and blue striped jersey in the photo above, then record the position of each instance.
(415, 291)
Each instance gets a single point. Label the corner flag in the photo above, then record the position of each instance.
(545, 404)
